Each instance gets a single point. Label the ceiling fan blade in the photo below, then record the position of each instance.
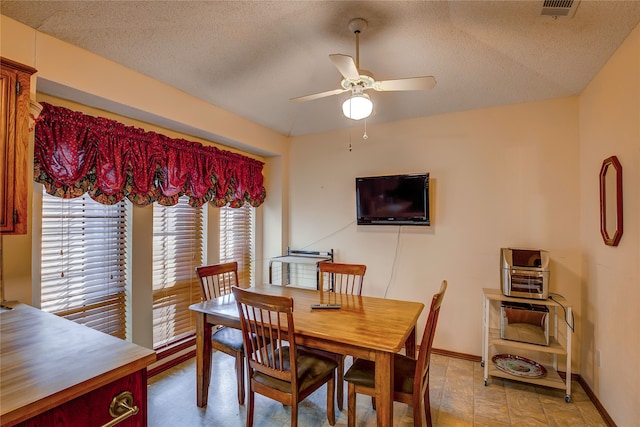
(412, 83)
(318, 95)
(346, 66)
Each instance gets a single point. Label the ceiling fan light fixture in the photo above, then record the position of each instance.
(357, 107)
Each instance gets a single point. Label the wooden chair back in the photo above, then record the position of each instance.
(421, 381)
(267, 328)
(342, 278)
(272, 357)
(216, 280)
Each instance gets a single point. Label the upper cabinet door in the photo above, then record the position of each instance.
(15, 80)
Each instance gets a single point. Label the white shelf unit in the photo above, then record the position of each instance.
(298, 268)
(559, 341)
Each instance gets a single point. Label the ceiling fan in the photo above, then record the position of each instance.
(359, 105)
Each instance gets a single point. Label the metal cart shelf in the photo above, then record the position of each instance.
(298, 268)
(559, 346)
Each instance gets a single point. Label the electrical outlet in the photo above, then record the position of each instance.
(598, 357)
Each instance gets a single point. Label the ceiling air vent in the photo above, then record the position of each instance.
(559, 8)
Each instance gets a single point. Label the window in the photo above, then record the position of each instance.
(83, 262)
(236, 239)
(177, 251)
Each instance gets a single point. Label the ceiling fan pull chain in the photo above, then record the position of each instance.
(358, 50)
(365, 136)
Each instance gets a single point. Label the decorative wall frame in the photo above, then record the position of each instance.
(611, 221)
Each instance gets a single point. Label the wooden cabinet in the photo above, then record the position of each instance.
(560, 330)
(54, 372)
(14, 129)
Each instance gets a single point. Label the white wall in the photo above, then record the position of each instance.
(501, 177)
(522, 175)
(610, 125)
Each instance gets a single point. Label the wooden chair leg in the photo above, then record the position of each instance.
(294, 414)
(351, 405)
(240, 377)
(250, 409)
(427, 408)
(340, 383)
(418, 415)
(331, 410)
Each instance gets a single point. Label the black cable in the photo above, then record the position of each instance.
(573, 320)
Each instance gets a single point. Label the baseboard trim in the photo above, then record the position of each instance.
(170, 362)
(463, 356)
(603, 412)
(173, 355)
(574, 377)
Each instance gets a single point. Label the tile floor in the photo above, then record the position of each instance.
(458, 396)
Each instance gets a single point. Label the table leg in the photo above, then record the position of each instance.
(203, 359)
(384, 391)
(410, 344)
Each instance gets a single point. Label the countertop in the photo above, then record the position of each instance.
(46, 360)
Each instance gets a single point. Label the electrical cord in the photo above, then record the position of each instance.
(573, 321)
(393, 265)
(395, 257)
(329, 235)
(319, 240)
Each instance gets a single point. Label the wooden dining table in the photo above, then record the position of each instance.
(364, 327)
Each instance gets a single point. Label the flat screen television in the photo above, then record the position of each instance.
(393, 200)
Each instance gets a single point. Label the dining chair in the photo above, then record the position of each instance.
(411, 376)
(215, 281)
(277, 368)
(342, 279)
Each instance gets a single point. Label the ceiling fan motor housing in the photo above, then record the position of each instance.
(357, 25)
(365, 82)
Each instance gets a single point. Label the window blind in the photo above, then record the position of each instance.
(177, 251)
(237, 239)
(83, 262)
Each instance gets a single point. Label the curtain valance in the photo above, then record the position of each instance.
(75, 154)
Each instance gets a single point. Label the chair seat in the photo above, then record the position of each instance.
(310, 368)
(229, 337)
(362, 373)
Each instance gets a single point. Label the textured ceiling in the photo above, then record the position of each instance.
(252, 57)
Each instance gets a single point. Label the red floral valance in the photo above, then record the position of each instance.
(75, 154)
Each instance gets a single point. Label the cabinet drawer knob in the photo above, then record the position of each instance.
(121, 408)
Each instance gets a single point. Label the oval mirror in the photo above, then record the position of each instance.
(611, 201)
